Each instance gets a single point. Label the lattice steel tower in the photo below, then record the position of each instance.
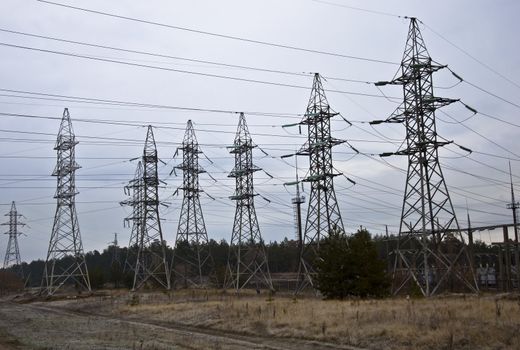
(65, 258)
(247, 261)
(12, 255)
(151, 248)
(323, 215)
(134, 190)
(431, 250)
(192, 261)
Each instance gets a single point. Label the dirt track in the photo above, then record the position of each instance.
(48, 326)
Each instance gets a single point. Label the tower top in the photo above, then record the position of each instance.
(242, 134)
(66, 138)
(318, 101)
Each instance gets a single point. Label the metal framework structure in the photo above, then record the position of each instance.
(323, 214)
(192, 262)
(150, 262)
(115, 252)
(12, 254)
(134, 190)
(247, 260)
(429, 252)
(65, 257)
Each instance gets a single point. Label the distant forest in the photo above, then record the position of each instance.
(106, 267)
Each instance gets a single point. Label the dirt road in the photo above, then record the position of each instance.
(41, 326)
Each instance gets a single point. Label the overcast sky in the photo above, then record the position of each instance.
(477, 39)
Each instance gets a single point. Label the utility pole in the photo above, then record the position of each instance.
(192, 260)
(514, 205)
(323, 215)
(150, 263)
(430, 256)
(247, 260)
(471, 249)
(12, 255)
(65, 257)
(115, 252)
(507, 258)
(297, 202)
(387, 249)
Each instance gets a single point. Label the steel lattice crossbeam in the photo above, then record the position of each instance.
(12, 254)
(247, 261)
(65, 257)
(323, 214)
(192, 262)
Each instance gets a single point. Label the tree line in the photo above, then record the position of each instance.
(357, 265)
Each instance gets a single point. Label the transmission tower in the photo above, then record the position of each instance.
(12, 255)
(150, 263)
(247, 261)
(134, 190)
(323, 215)
(192, 260)
(65, 258)
(430, 253)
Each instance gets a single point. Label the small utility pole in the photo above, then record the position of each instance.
(387, 246)
(297, 202)
(514, 205)
(471, 251)
(115, 252)
(507, 257)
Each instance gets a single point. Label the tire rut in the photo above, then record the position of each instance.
(225, 338)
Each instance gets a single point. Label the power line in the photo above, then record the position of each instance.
(484, 164)
(483, 90)
(488, 67)
(133, 141)
(360, 9)
(196, 31)
(263, 82)
(90, 100)
(465, 52)
(481, 135)
(147, 53)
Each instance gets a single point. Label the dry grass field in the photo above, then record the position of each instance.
(449, 322)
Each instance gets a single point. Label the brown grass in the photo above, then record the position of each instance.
(455, 322)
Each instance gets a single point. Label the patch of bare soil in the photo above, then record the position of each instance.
(7, 341)
(200, 319)
(61, 324)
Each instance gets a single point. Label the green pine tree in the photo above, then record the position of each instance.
(350, 266)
